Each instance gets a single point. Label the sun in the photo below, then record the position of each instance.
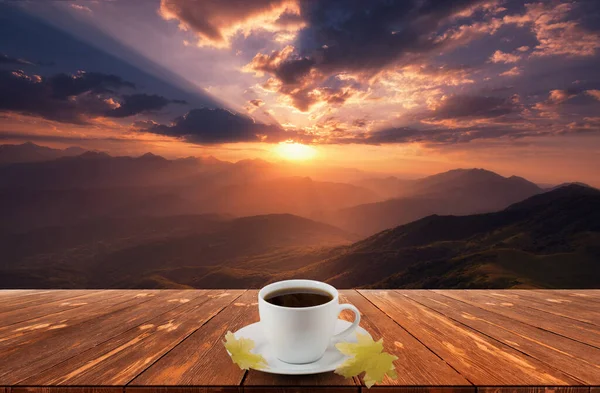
(295, 151)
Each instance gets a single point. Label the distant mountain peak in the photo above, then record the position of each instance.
(151, 156)
(93, 155)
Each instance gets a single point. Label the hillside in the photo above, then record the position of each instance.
(549, 240)
(162, 252)
(457, 192)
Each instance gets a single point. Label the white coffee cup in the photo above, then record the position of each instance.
(302, 335)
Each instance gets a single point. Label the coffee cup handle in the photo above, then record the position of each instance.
(354, 325)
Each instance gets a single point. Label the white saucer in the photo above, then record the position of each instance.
(329, 362)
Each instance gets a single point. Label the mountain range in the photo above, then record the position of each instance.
(91, 220)
(457, 192)
(30, 152)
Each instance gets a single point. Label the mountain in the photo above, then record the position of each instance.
(567, 184)
(200, 251)
(30, 152)
(297, 195)
(95, 170)
(551, 240)
(458, 192)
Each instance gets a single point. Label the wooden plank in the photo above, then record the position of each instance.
(51, 347)
(302, 389)
(54, 307)
(416, 364)
(34, 329)
(423, 389)
(534, 389)
(70, 389)
(588, 312)
(183, 389)
(572, 357)
(583, 295)
(122, 358)
(9, 304)
(201, 359)
(480, 359)
(567, 327)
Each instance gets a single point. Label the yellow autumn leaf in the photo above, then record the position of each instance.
(366, 356)
(239, 350)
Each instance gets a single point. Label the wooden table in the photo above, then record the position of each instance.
(171, 341)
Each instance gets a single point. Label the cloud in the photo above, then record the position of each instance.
(5, 59)
(256, 102)
(502, 57)
(73, 98)
(215, 126)
(585, 126)
(79, 7)
(556, 30)
(515, 71)
(594, 93)
(362, 39)
(216, 22)
(467, 106)
(138, 103)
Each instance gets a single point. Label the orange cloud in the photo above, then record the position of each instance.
(515, 71)
(556, 34)
(594, 93)
(502, 57)
(216, 22)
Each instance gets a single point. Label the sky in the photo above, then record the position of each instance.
(394, 87)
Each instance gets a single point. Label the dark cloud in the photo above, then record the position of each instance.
(431, 136)
(137, 103)
(212, 20)
(359, 37)
(256, 102)
(213, 126)
(64, 86)
(72, 98)
(5, 59)
(464, 106)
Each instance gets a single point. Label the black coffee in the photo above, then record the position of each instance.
(298, 297)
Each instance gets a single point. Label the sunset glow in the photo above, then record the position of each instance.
(295, 151)
(376, 84)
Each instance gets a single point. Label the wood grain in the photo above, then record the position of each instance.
(201, 359)
(416, 364)
(120, 359)
(585, 312)
(27, 332)
(525, 389)
(303, 389)
(567, 327)
(10, 303)
(184, 389)
(160, 341)
(53, 346)
(480, 359)
(56, 307)
(583, 296)
(422, 389)
(574, 358)
(74, 389)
